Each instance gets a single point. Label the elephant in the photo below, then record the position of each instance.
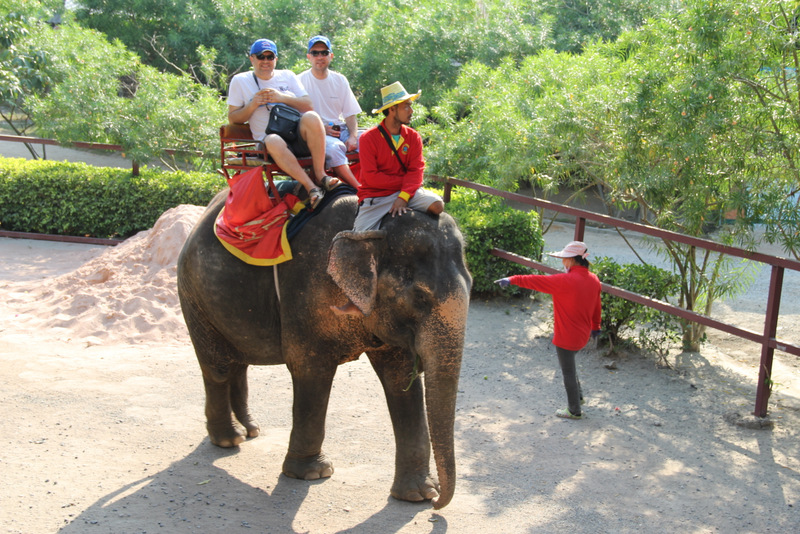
(412, 287)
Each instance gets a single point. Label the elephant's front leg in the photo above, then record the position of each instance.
(305, 459)
(412, 476)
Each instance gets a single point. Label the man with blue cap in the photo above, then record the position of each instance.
(337, 105)
(251, 96)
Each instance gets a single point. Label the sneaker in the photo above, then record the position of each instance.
(566, 414)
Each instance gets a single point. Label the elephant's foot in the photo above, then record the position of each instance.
(307, 468)
(415, 488)
(228, 435)
(251, 426)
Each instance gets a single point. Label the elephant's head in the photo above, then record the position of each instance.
(411, 283)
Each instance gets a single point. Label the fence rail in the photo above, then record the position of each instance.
(77, 144)
(766, 339)
(82, 144)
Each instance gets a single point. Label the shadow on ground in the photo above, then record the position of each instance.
(194, 495)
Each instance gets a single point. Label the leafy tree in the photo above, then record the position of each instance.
(437, 38)
(423, 43)
(648, 119)
(678, 160)
(210, 38)
(765, 122)
(578, 23)
(100, 92)
(22, 69)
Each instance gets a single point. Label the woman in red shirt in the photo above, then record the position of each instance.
(576, 310)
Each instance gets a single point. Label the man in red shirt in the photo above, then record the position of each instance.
(391, 169)
(392, 164)
(576, 310)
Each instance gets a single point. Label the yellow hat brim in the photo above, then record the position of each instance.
(399, 100)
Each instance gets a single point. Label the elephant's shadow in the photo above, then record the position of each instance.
(195, 495)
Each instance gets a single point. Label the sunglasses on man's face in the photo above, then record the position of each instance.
(316, 53)
(262, 57)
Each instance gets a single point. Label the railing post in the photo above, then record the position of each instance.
(767, 351)
(448, 187)
(580, 228)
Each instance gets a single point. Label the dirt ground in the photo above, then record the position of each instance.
(103, 427)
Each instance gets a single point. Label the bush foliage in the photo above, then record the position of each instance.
(653, 328)
(79, 199)
(487, 223)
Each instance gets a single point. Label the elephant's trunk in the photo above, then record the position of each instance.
(440, 394)
(441, 359)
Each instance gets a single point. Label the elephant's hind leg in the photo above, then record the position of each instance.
(226, 397)
(240, 405)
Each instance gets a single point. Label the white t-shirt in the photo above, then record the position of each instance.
(243, 88)
(331, 97)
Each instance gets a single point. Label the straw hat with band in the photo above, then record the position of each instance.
(394, 94)
(573, 248)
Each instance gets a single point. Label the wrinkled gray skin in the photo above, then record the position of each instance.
(411, 282)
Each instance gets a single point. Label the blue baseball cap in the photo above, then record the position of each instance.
(263, 45)
(319, 39)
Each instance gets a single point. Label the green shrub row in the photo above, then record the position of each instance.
(82, 200)
(487, 223)
(79, 199)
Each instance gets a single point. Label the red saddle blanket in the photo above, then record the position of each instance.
(250, 225)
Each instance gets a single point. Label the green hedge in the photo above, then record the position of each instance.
(79, 199)
(487, 222)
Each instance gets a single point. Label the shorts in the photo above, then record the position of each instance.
(298, 147)
(372, 210)
(335, 151)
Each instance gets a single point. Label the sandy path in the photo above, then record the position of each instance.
(103, 427)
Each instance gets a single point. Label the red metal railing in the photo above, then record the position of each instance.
(766, 338)
(76, 144)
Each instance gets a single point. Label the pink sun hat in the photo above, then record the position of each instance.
(573, 248)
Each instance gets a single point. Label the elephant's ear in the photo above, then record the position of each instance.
(353, 265)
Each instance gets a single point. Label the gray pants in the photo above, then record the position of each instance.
(372, 210)
(566, 358)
